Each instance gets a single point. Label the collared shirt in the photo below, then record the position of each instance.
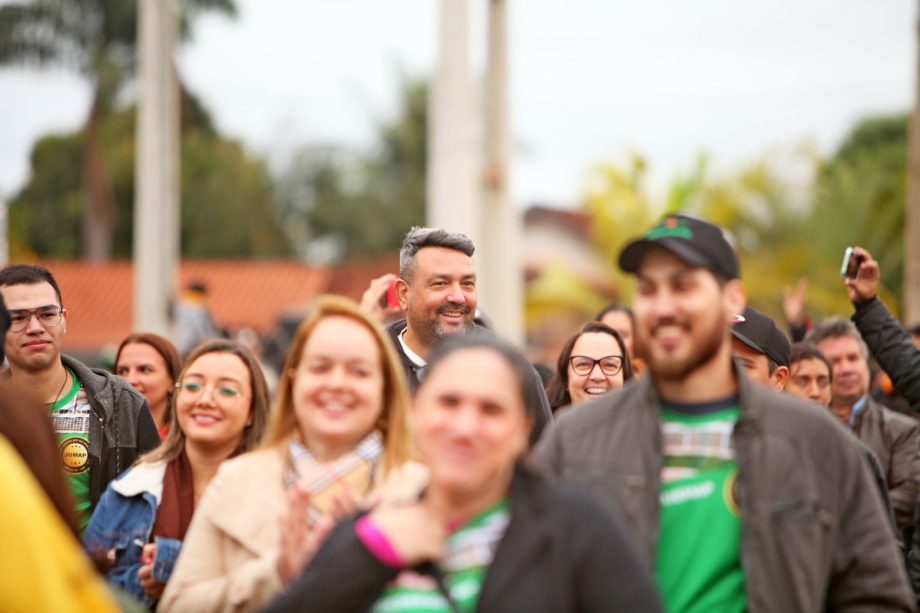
(414, 357)
(858, 406)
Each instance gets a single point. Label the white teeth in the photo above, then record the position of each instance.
(596, 391)
(333, 407)
(668, 331)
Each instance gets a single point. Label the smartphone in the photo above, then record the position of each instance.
(851, 261)
(389, 299)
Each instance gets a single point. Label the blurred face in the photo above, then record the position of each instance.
(470, 424)
(338, 387)
(755, 363)
(145, 370)
(213, 401)
(442, 298)
(682, 314)
(38, 346)
(810, 379)
(622, 323)
(585, 384)
(851, 371)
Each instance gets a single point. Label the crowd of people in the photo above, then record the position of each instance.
(687, 455)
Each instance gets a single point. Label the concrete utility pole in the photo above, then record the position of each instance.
(911, 311)
(4, 233)
(156, 197)
(500, 269)
(452, 194)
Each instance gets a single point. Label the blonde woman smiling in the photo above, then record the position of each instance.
(337, 436)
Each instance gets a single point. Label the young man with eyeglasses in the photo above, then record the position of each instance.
(740, 498)
(102, 423)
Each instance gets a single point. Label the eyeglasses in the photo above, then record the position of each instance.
(220, 393)
(48, 316)
(583, 365)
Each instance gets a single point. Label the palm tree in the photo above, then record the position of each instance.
(97, 39)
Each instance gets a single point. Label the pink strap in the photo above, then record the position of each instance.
(377, 543)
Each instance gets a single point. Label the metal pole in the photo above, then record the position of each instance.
(156, 185)
(4, 232)
(452, 151)
(502, 283)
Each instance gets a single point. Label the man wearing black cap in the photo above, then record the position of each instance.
(741, 498)
(762, 348)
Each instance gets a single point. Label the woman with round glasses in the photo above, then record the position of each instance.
(220, 409)
(338, 438)
(487, 534)
(151, 365)
(591, 363)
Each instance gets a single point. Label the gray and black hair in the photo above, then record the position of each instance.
(419, 238)
(834, 327)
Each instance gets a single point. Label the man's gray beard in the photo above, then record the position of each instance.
(677, 372)
(431, 332)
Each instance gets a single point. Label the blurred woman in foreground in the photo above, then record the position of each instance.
(488, 534)
(220, 409)
(337, 436)
(150, 364)
(592, 362)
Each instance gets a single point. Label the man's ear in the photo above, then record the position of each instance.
(735, 300)
(779, 377)
(402, 294)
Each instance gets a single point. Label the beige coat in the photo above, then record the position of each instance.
(229, 559)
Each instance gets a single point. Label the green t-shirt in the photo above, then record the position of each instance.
(469, 552)
(698, 562)
(70, 416)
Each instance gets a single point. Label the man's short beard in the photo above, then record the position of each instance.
(702, 355)
(430, 331)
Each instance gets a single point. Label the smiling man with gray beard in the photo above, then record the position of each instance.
(437, 292)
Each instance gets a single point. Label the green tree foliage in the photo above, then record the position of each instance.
(783, 230)
(227, 197)
(859, 198)
(337, 203)
(98, 40)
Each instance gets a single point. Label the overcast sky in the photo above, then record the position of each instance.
(591, 79)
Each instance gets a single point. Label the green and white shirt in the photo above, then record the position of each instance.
(469, 553)
(70, 417)
(698, 562)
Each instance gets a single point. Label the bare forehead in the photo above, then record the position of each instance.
(28, 295)
(839, 346)
(810, 367)
(443, 261)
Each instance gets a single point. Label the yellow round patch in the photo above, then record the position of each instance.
(74, 455)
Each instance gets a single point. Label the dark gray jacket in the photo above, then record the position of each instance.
(562, 553)
(543, 411)
(814, 534)
(892, 346)
(121, 429)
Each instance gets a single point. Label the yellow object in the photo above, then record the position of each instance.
(42, 567)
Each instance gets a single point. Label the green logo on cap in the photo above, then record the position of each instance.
(670, 226)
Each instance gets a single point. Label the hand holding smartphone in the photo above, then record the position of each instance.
(851, 261)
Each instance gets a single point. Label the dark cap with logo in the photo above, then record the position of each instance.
(694, 240)
(761, 334)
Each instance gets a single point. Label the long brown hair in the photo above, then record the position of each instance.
(167, 351)
(393, 423)
(174, 443)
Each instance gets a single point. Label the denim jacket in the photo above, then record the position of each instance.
(122, 523)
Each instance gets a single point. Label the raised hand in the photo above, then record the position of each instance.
(865, 285)
(300, 537)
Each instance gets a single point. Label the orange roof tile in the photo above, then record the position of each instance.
(100, 297)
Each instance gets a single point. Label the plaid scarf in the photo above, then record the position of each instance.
(353, 471)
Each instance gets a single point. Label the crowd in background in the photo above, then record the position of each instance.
(684, 453)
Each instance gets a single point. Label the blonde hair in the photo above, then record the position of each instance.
(393, 422)
(174, 443)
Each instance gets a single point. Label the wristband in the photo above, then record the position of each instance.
(377, 543)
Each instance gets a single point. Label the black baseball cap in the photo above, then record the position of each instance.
(761, 334)
(692, 239)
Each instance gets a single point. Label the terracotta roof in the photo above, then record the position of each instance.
(100, 297)
(352, 278)
(578, 222)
